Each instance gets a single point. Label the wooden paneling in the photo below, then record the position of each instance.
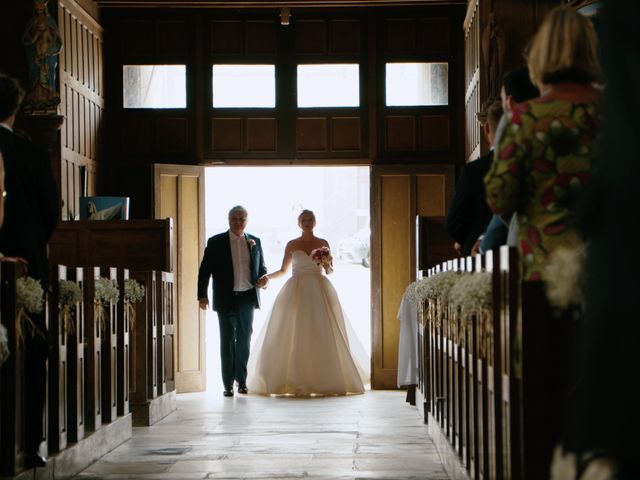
(431, 195)
(345, 134)
(137, 133)
(434, 132)
(180, 194)
(172, 134)
(400, 36)
(400, 133)
(472, 75)
(262, 135)
(434, 36)
(81, 103)
(141, 244)
(189, 358)
(226, 135)
(260, 37)
(344, 37)
(398, 195)
(138, 38)
(226, 37)
(311, 135)
(172, 38)
(310, 37)
(395, 237)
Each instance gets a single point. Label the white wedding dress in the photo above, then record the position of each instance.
(307, 346)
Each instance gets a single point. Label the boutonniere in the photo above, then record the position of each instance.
(251, 242)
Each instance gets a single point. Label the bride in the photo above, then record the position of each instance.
(307, 346)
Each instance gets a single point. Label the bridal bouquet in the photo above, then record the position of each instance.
(322, 256)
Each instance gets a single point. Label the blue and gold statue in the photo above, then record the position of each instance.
(43, 44)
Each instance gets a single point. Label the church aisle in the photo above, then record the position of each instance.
(371, 436)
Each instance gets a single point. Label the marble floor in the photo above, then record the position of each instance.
(372, 436)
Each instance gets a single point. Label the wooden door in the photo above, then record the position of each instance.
(179, 194)
(398, 195)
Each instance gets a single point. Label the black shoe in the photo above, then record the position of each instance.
(33, 460)
(242, 388)
(228, 393)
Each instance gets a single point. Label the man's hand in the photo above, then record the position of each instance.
(458, 248)
(262, 282)
(203, 303)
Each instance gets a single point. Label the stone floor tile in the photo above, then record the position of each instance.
(371, 436)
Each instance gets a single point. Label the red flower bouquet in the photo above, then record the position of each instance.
(322, 256)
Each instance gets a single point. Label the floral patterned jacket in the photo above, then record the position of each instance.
(542, 164)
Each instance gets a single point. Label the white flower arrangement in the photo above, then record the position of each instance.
(29, 298)
(436, 287)
(29, 294)
(441, 285)
(106, 291)
(472, 291)
(4, 344)
(69, 295)
(565, 276)
(133, 293)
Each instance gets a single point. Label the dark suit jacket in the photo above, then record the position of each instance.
(31, 207)
(218, 265)
(469, 213)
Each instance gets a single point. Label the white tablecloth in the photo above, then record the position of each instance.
(408, 348)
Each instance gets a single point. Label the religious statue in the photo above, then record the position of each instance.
(43, 44)
(493, 49)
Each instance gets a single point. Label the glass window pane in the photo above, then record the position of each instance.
(244, 86)
(154, 86)
(335, 85)
(415, 84)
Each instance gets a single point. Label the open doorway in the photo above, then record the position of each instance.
(274, 196)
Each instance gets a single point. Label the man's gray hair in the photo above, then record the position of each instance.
(236, 209)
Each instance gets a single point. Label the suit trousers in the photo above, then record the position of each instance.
(36, 354)
(236, 327)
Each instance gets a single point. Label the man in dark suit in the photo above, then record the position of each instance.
(469, 213)
(31, 215)
(235, 262)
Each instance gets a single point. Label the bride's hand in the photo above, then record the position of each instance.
(262, 282)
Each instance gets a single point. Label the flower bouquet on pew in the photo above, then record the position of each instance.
(322, 256)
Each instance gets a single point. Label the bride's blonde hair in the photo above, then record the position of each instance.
(306, 212)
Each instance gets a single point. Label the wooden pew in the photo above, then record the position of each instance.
(144, 247)
(498, 378)
(58, 367)
(12, 379)
(93, 352)
(76, 367)
(123, 349)
(109, 349)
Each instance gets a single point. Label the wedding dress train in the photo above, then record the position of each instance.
(307, 346)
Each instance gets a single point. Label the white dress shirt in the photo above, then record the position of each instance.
(4, 125)
(240, 261)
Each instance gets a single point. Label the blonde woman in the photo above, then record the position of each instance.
(307, 347)
(543, 161)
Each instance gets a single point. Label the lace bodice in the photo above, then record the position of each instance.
(302, 263)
